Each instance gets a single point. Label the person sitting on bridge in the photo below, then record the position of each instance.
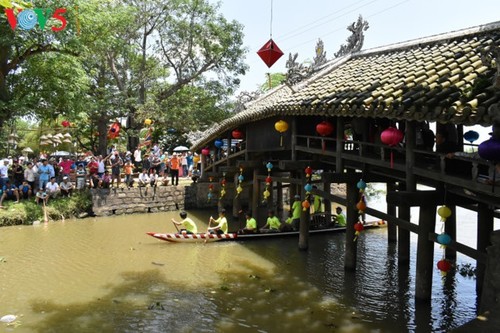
(189, 227)
(251, 225)
(273, 223)
(221, 227)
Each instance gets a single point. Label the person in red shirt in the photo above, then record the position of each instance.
(93, 167)
(65, 166)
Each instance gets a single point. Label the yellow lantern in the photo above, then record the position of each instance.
(281, 126)
(148, 122)
(444, 212)
(267, 194)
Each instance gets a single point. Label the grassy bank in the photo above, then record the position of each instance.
(27, 211)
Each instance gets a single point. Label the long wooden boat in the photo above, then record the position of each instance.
(205, 238)
(191, 238)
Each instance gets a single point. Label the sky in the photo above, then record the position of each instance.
(296, 26)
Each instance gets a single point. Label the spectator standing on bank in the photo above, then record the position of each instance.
(29, 175)
(80, 177)
(18, 172)
(138, 158)
(116, 163)
(44, 172)
(174, 169)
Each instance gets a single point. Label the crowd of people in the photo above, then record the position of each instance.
(49, 177)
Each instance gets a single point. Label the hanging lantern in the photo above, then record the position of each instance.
(391, 137)
(305, 205)
(269, 166)
(444, 266)
(444, 239)
(205, 151)
(269, 180)
(308, 187)
(266, 194)
(237, 134)
(218, 143)
(239, 189)
(490, 150)
(308, 172)
(270, 53)
(361, 185)
(65, 123)
(148, 122)
(358, 228)
(114, 130)
(444, 212)
(281, 126)
(223, 186)
(361, 206)
(471, 136)
(325, 128)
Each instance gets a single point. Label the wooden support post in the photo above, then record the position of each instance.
(485, 224)
(339, 147)
(352, 217)
(404, 237)
(425, 253)
(392, 229)
(305, 218)
(279, 201)
(450, 228)
(255, 193)
(327, 202)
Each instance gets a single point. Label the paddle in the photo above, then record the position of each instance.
(175, 224)
(208, 227)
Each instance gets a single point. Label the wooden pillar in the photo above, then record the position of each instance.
(279, 200)
(392, 229)
(328, 203)
(305, 217)
(351, 246)
(339, 146)
(485, 224)
(255, 193)
(294, 139)
(404, 237)
(203, 160)
(425, 253)
(450, 228)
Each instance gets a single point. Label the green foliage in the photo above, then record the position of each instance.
(27, 211)
(272, 81)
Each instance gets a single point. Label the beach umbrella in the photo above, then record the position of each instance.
(179, 149)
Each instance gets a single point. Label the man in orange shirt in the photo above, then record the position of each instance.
(174, 169)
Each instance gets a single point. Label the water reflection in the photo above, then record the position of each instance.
(106, 275)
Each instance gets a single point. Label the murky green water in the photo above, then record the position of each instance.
(106, 275)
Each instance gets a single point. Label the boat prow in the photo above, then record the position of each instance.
(191, 238)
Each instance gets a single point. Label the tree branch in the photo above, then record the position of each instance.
(34, 50)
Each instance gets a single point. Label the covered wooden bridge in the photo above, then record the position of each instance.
(442, 83)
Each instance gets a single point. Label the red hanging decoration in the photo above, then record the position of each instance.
(444, 266)
(205, 151)
(65, 123)
(270, 53)
(325, 128)
(237, 134)
(391, 137)
(114, 130)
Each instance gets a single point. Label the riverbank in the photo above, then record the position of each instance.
(27, 211)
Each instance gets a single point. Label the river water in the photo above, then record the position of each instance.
(107, 275)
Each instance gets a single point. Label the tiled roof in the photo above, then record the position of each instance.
(440, 78)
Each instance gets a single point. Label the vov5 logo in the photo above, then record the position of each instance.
(28, 18)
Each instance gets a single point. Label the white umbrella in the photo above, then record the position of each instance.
(181, 149)
(27, 150)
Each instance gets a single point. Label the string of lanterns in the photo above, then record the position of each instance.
(444, 239)
(239, 189)
(210, 189)
(269, 181)
(361, 207)
(306, 204)
(222, 186)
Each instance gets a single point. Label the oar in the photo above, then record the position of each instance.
(45, 211)
(175, 226)
(208, 227)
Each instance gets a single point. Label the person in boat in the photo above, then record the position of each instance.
(287, 225)
(251, 225)
(273, 223)
(221, 227)
(296, 211)
(188, 225)
(340, 217)
(317, 203)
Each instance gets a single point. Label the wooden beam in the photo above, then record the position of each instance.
(464, 249)
(334, 177)
(297, 165)
(412, 199)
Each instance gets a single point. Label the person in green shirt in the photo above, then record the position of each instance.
(296, 211)
(221, 227)
(317, 203)
(188, 225)
(251, 225)
(340, 217)
(273, 223)
(287, 225)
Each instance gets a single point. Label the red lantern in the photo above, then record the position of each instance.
(223, 182)
(308, 171)
(391, 137)
(237, 134)
(210, 187)
(65, 123)
(269, 180)
(444, 266)
(359, 227)
(270, 53)
(325, 128)
(361, 206)
(205, 151)
(305, 205)
(114, 130)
